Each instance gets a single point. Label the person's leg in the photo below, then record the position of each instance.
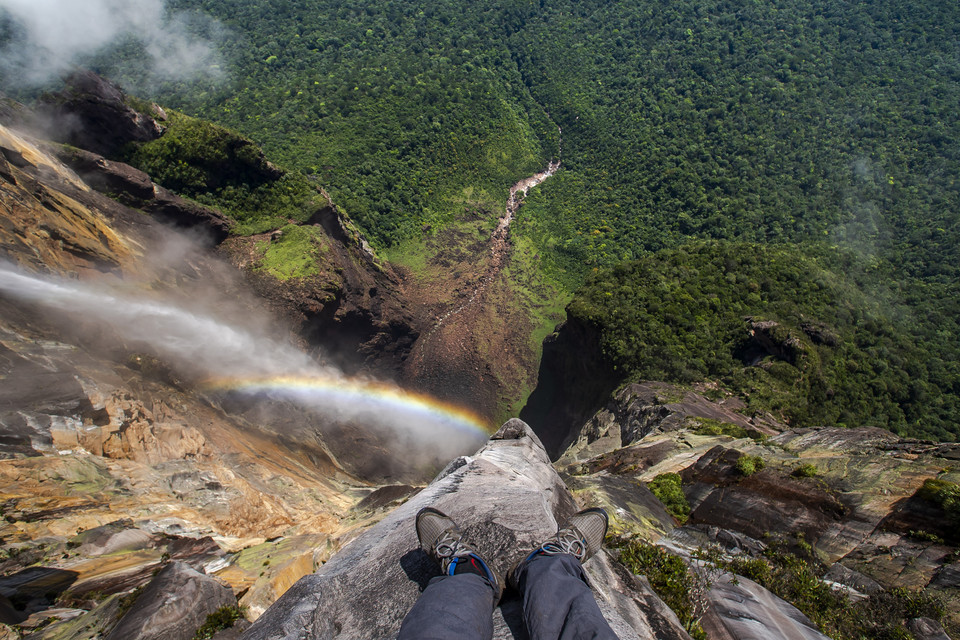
(460, 602)
(457, 606)
(557, 601)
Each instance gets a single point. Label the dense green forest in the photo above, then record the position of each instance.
(827, 353)
(775, 121)
(825, 125)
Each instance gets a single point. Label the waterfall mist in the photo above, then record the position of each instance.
(232, 353)
(42, 39)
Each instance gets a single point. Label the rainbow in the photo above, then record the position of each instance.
(360, 397)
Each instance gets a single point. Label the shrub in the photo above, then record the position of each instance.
(710, 427)
(943, 493)
(222, 618)
(748, 465)
(796, 580)
(679, 588)
(669, 490)
(805, 471)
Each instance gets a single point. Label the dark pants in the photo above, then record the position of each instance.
(557, 605)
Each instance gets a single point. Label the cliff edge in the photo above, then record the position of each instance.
(507, 498)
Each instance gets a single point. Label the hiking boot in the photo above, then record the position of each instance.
(581, 536)
(442, 540)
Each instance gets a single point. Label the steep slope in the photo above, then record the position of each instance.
(788, 329)
(811, 122)
(96, 436)
(850, 511)
(116, 460)
(365, 591)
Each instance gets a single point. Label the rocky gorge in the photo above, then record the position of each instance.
(139, 503)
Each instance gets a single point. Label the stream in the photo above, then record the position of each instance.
(499, 244)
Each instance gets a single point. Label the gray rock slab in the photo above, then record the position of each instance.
(507, 498)
(747, 611)
(853, 579)
(927, 629)
(173, 605)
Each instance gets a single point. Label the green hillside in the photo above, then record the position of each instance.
(814, 124)
(765, 121)
(791, 333)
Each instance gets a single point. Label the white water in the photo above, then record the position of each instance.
(195, 343)
(200, 344)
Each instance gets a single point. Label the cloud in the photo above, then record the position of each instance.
(45, 38)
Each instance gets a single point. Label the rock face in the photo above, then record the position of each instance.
(847, 496)
(95, 438)
(507, 499)
(739, 610)
(570, 388)
(92, 113)
(354, 308)
(48, 222)
(173, 606)
(134, 188)
(642, 409)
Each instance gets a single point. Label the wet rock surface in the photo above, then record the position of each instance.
(113, 469)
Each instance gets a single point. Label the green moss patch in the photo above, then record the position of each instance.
(295, 253)
(669, 490)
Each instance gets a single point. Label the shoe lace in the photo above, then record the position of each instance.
(566, 541)
(450, 545)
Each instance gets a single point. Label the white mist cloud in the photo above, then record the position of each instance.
(52, 35)
(195, 343)
(202, 334)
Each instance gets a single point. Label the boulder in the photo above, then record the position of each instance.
(173, 605)
(112, 538)
(507, 498)
(926, 629)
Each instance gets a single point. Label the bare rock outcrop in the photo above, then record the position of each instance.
(93, 113)
(743, 609)
(645, 408)
(507, 498)
(134, 188)
(173, 606)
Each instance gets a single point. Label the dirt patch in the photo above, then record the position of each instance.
(475, 351)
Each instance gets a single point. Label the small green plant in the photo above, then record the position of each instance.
(926, 536)
(944, 493)
(711, 427)
(669, 490)
(126, 601)
(223, 618)
(748, 465)
(678, 587)
(805, 471)
(796, 580)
